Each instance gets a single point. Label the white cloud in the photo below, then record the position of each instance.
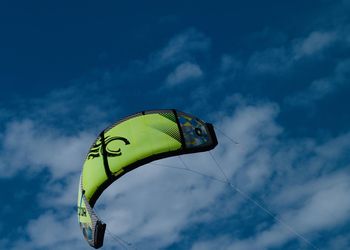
(153, 205)
(184, 72)
(27, 146)
(61, 192)
(60, 230)
(179, 48)
(50, 231)
(326, 207)
(315, 42)
(325, 204)
(310, 195)
(279, 60)
(339, 242)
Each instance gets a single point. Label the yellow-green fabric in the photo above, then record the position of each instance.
(147, 134)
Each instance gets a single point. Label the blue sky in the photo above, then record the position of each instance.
(272, 75)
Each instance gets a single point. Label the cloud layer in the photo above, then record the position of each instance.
(149, 210)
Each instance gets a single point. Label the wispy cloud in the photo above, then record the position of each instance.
(270, 61)
(180, 48)
(184, 72)
(309, 194)
(279, 60)
(27, 146)
(327, 206)
(315, 42)
(59, 233)
(154, 217)
(320, 88)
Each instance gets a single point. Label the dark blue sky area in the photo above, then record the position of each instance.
(44, 45)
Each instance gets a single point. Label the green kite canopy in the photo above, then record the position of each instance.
(131, 143)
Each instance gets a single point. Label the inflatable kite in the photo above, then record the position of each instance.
(131, 143)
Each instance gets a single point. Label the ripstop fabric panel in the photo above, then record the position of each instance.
(130, 141)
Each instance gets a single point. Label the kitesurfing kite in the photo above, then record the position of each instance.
(131, 143)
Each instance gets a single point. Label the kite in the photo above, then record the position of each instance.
(128, 144)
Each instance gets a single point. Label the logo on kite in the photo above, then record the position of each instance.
(96, 149)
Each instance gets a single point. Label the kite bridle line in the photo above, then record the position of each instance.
(242, 193)
(239, 191)
(267, 211)
(126, 245)
(123, 243)
(228, 137)
(255, 202)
